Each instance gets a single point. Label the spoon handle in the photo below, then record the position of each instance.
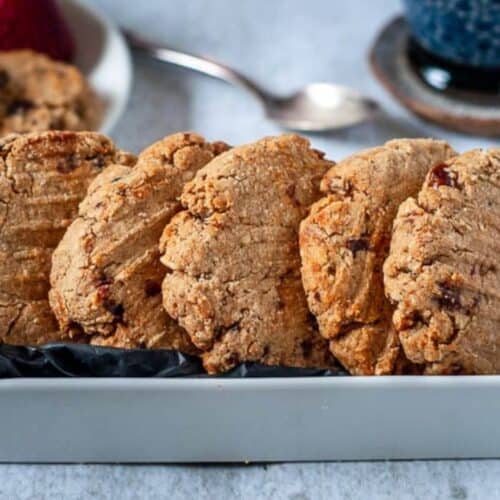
(197, 63)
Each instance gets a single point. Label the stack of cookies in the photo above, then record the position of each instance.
(43, 177)
(38, 93)
(268, 252)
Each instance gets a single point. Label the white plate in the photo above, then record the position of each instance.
(103, 56)
(224, 420)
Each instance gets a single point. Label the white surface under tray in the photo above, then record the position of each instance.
(230, 420)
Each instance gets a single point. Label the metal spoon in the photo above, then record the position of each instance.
(316, 107)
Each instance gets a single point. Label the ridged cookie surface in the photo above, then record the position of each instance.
(232, 258)
(443, 269)
(343, 244)
(43, 177)
(106, 275)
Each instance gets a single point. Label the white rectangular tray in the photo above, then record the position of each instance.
(231, 420)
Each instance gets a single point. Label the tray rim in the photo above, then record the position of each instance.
(167, 420)
(261, 383)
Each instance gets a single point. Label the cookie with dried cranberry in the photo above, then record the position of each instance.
(106, 274)
(343, 244)
(443, 272)
(38, 94)
(43, 177)
(232, 258)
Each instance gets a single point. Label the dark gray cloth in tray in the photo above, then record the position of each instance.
(77, 360)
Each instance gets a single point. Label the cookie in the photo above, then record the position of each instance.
(343, 244)
(43, 177)
(39, 94)
(106, 274)
(443, 272)
(232, 259)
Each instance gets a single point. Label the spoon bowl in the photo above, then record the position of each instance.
(320, 107)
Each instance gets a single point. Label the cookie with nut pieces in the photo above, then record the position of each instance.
(106, 275)
(344, 242)
(443, 272)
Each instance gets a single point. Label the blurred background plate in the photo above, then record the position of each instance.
(103, 56)
(466, 111)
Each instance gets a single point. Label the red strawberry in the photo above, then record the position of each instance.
(36, 25)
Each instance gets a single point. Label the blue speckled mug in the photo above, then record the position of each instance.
(465, 32)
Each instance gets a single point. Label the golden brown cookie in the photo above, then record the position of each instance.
(37, 94)
(443, 269)
(43, 177)
(106, 275)
(343, 244)
(232, 259)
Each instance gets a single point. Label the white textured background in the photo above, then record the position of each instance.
(283, 43)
